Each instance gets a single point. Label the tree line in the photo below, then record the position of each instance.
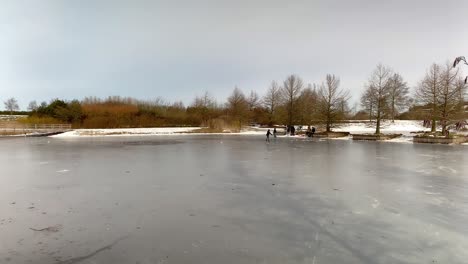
(438, 97)
(288, 103)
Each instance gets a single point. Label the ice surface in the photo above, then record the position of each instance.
(231, 199)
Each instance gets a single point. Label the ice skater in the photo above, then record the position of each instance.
(268, 135)
(274, 132)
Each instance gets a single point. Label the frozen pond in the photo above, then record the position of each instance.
(231, 199)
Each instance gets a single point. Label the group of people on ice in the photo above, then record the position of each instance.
(291, 130)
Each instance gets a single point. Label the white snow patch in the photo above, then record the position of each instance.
(126, 132)
(376, 203)
(447, 169)
(404, 127)
(432, 193)
(63, 171)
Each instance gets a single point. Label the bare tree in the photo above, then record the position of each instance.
(290, 92)
(398, 95)
(204, 107)
(449, 96)
(367, 102)
(253, 100)
(379, 84)
(307, 105)
(237, 106)
(463, 88)
(428, 91)
(253, 103)
(11, 105)
(272, 99)
(32, 106)
(332, 101)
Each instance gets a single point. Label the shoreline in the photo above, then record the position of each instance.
(407, 128)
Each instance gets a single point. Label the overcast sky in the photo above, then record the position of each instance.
(178, 49)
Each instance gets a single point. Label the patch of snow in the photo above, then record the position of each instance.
(126, 132)
(403, 139)
(432, 193)
(404, 127)
(375, 204)
(447, 169)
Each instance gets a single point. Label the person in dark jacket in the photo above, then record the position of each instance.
(274, 132)
(268, 136)
(293, 130)
(309, 131)
(313, 131)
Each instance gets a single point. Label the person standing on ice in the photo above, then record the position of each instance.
(313, 131)
(268, 135)
(274, 132)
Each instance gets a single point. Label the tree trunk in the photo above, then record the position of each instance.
(377, 126)
(393, 112)
(433, 124)
(290, 113)
(434, 109)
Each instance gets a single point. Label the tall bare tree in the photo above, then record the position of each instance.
(253, 103)
(332, 101)
(463, 88)
(428, 91)
(449, 96)
(379, 84)
(398, 95)
(272, 100)
(253, 100)
(237, 106)
(290, 91)
(307, 105)
(11, 105)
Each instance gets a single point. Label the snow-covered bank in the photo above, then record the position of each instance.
(153, 132)
(404, 127)
(127, 131)
(400, 126)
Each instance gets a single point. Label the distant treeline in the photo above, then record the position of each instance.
(440, 97)
(286, 104)
(15, 112)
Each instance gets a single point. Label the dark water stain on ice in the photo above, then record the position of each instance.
(90, 255)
